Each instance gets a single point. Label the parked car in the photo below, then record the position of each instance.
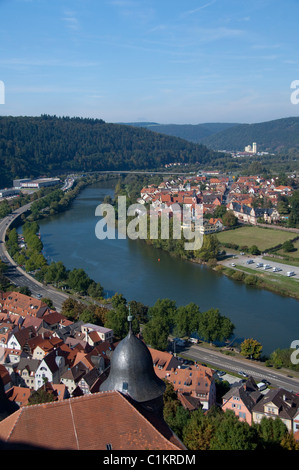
(233, 264)
(259, 265)
(249, 261)
(290, 273)
(261, 386)
(193, 340)
(266, 382)
(243, 373)
(179, 342)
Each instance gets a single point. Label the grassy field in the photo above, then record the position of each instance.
(292, 254)
(265, 280)
(263, 238)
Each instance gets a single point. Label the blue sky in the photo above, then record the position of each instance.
(168, 61)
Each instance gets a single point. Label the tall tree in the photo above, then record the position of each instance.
(251, 348)
(212, 326)
(233, 434)
(186, 319)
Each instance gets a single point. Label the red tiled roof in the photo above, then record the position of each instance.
(19, 395)
(23, 305)
(53, 317)
(89, 422)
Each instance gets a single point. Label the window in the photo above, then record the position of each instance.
(242, 415)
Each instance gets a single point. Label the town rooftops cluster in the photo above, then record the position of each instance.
(111, 386)
(250, 405)
(213, 190)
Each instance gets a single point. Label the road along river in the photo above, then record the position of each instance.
(145, 274)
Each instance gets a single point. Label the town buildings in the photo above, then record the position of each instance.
(194, 384)
(252, 198)
(251, 405)
(118, 419)
(101, 382)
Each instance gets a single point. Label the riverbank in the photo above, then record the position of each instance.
(236, 267)
(263, 238)
(144, 273)
(29, 261)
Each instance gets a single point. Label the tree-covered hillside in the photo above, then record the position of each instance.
(280, 135)
(191, 132)
(46, 145)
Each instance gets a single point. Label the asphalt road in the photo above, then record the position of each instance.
(287, 380)
(217, 360)
(19, 277)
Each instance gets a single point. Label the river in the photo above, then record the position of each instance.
(143, 273)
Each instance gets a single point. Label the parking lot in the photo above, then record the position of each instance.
(242, 260)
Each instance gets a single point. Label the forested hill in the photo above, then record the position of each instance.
(191, 132)
(280, 135)
(46, 145)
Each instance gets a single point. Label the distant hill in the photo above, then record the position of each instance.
(47, 145)
(191, 132)
(280, 135)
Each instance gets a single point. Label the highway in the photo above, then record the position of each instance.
(284, 379)
(17, 275)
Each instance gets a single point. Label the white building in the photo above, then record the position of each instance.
(39, 183)
(252, 149)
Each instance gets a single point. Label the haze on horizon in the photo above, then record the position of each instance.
(145, 60)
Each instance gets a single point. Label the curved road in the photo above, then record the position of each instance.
(17, 275)
(287, 380)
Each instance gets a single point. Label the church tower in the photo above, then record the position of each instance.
(132, 373)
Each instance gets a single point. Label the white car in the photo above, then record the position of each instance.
(242, 373)
(233, 264)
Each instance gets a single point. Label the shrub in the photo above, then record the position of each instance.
(238, 276)
(250, 280)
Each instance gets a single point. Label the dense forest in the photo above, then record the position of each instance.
(48, 145)
(280, 135)
(192, 132)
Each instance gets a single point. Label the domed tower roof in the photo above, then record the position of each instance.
(132, 371)
(7, 407)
